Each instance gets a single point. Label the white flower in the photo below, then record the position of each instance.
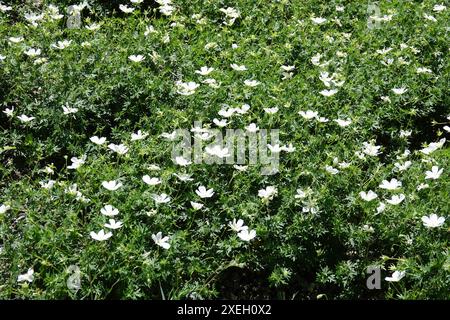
(300, 194)
(204, 71)
(139, 135)
(77, 162)
(61, 45)
(161, 198)
(371, 149)
(396, 199)
(435, 173)
(238, 67)
(289, 148)
(109, 211)
(196, 205)
(217, 151)
(433, 221)
(309, 114)
(182, 161)
(151, 181)
(433, 147)
(136, 58)
(169, 136)
(112, 185)
(166, 9)
(9, 112)
(331, 170)
(318, 20)
(404, 166)
(405, 133)
(429, 17)
(125, 8)
(29, 277)
(33, 52)
(240, 168)
(101, 235)
(381, 207)
(328, 93)
(246, 235)
(368, 196)
(113, 224)
(252, 127)
(237, 225)
(287, 68)
(2, 57)
(183, 177)
(97, 140)
(93, 27)
(439, 7)
(343, 123)
(423, 70)
(422, 186)
(4, 8)
(4, 208)
(15, 39)
(446, 128)
(251, 83)
(136, 1)
(186, 88)
(268, 193)
(396, 276)
(220, 123)
(202, 192)
(160, 240)
(390, 185)
(275, 149)
(47, 185)
(399, 91)
(118, 148)
(271, 110)
(25, 118)
(69, 110)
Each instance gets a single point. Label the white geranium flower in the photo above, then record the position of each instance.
(4, 208)
(93, 27)
(5, 8)
(433, 147)
(217, 151)
(240, 168)
(371, 149)
(139, 135)
(423, 70)
(101, 235)
(309, 114)
(268, 193)
(109, 211)
(433, 221)
(275, 148)
(151, 181)
(9, 112)
(252, 127)
(68, 110)
(196, 205)
(15, 39)
(381, 207)
(396, 199)
(300, 194)
(125, 8)
(33, 52)
(136, 58)
(61, 45)
(422, 186)
(112, 185)
(272, 110)
(368, 196)
(439, 7)
(113, 224)
(25, 118)
(246, 235)
(186, 88)
(29, 276)
(97, 140)
(161, 198)
(399, 91)
(251, 83)
(403, 166)
(434, 174)
(202, 192)
(184, 177)
(328, 93)
(396, 276)
(238, 67)
(118, 148)
(161, 241)
(343, 123)
(182, 161)
(204, 71)
(318, 20)
(331, 170)
(237, 225)
(288, 148)
(220, 123)
(429, 17)
(77, 162)
(47, 184)
(390, 185)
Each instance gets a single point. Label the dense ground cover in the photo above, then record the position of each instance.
(357, 90)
